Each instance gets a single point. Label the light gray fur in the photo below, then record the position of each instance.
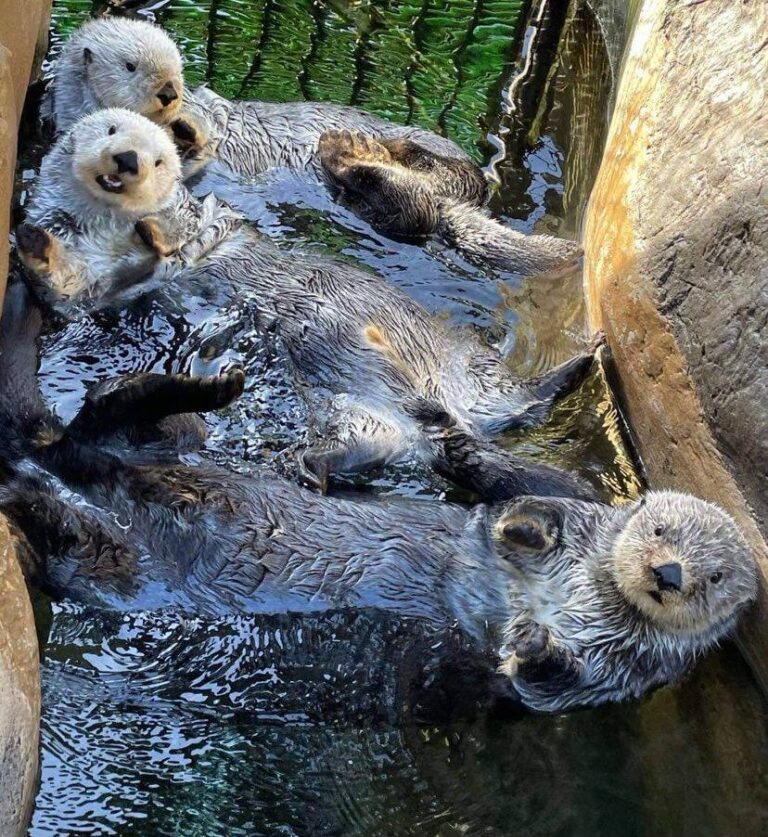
(253, 137)
(212, 541)
(250, 138)
(362, 350)
(79, 88)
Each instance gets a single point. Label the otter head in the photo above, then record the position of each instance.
(129, 64)
(684, 564)
(125, 161)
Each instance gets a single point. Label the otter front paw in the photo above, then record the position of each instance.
(339, 150)
(314, 469)
(529, 525)
(538, 659)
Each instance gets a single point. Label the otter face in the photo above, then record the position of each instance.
(131, 64)
(125, 161)
(684, 564)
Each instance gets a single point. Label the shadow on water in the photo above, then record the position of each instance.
(158, 725)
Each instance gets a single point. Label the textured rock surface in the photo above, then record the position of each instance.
(23, 27)
(676, 243)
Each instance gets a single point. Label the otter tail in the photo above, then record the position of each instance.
(487, 242)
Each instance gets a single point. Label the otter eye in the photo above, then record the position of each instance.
(130, 67)
(658, 531)
(112, 129)
(158, 162)
(716, 578)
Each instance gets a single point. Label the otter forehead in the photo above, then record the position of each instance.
(117, 127)
(701, 531)
(129, 40)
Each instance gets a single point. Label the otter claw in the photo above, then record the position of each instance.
(535, 646)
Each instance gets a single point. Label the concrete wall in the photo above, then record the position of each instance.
(676, 252)
(23, 30)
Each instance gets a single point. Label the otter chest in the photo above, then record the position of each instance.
(556, 595)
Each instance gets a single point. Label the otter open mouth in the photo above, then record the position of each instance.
(655, 595)
(110, 183)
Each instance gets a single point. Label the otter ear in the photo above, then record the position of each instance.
(87, 56)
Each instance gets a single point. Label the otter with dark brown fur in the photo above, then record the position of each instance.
(581, 603)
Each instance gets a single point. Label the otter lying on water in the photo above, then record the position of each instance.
(362, 350)
(405, 181)
(109, 63)
(579, 602)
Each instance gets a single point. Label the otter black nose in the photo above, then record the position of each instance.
(127, 161)
(668, 577)
(167, 94)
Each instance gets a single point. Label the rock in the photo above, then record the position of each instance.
(676, 258)
(23, 35)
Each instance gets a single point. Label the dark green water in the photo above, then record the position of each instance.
(155, 725)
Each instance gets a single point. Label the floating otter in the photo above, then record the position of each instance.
(362, 350)
(406, 181)
(112, 62)
(579, 602)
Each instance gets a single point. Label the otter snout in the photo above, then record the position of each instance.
(167, 94)
(127, 161)
(669, 577)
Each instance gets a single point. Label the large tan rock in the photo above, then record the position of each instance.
(23, 29)
(676, 252)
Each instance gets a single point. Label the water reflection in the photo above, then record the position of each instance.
(154, 725)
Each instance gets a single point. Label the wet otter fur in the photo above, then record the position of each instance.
(406, 181)
(113, 62)
(580, 602)
(362, 350)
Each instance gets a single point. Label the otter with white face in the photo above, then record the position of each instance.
(613, 602)
(406, 181)
(113, 62)
(683, 572)
(577, 603)
(111, 166)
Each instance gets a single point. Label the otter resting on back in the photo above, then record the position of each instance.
(362, 350)
(114, 63)
(579, 603)
(405, 181)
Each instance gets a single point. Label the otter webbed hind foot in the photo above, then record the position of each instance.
(395, 184)
(540, 393)
(489, 470)
(148, 398)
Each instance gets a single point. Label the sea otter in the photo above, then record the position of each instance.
(363, 351)
(111, 62)
(578, 602)
(405, 181)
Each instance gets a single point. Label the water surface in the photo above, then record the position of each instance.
(158, 725)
